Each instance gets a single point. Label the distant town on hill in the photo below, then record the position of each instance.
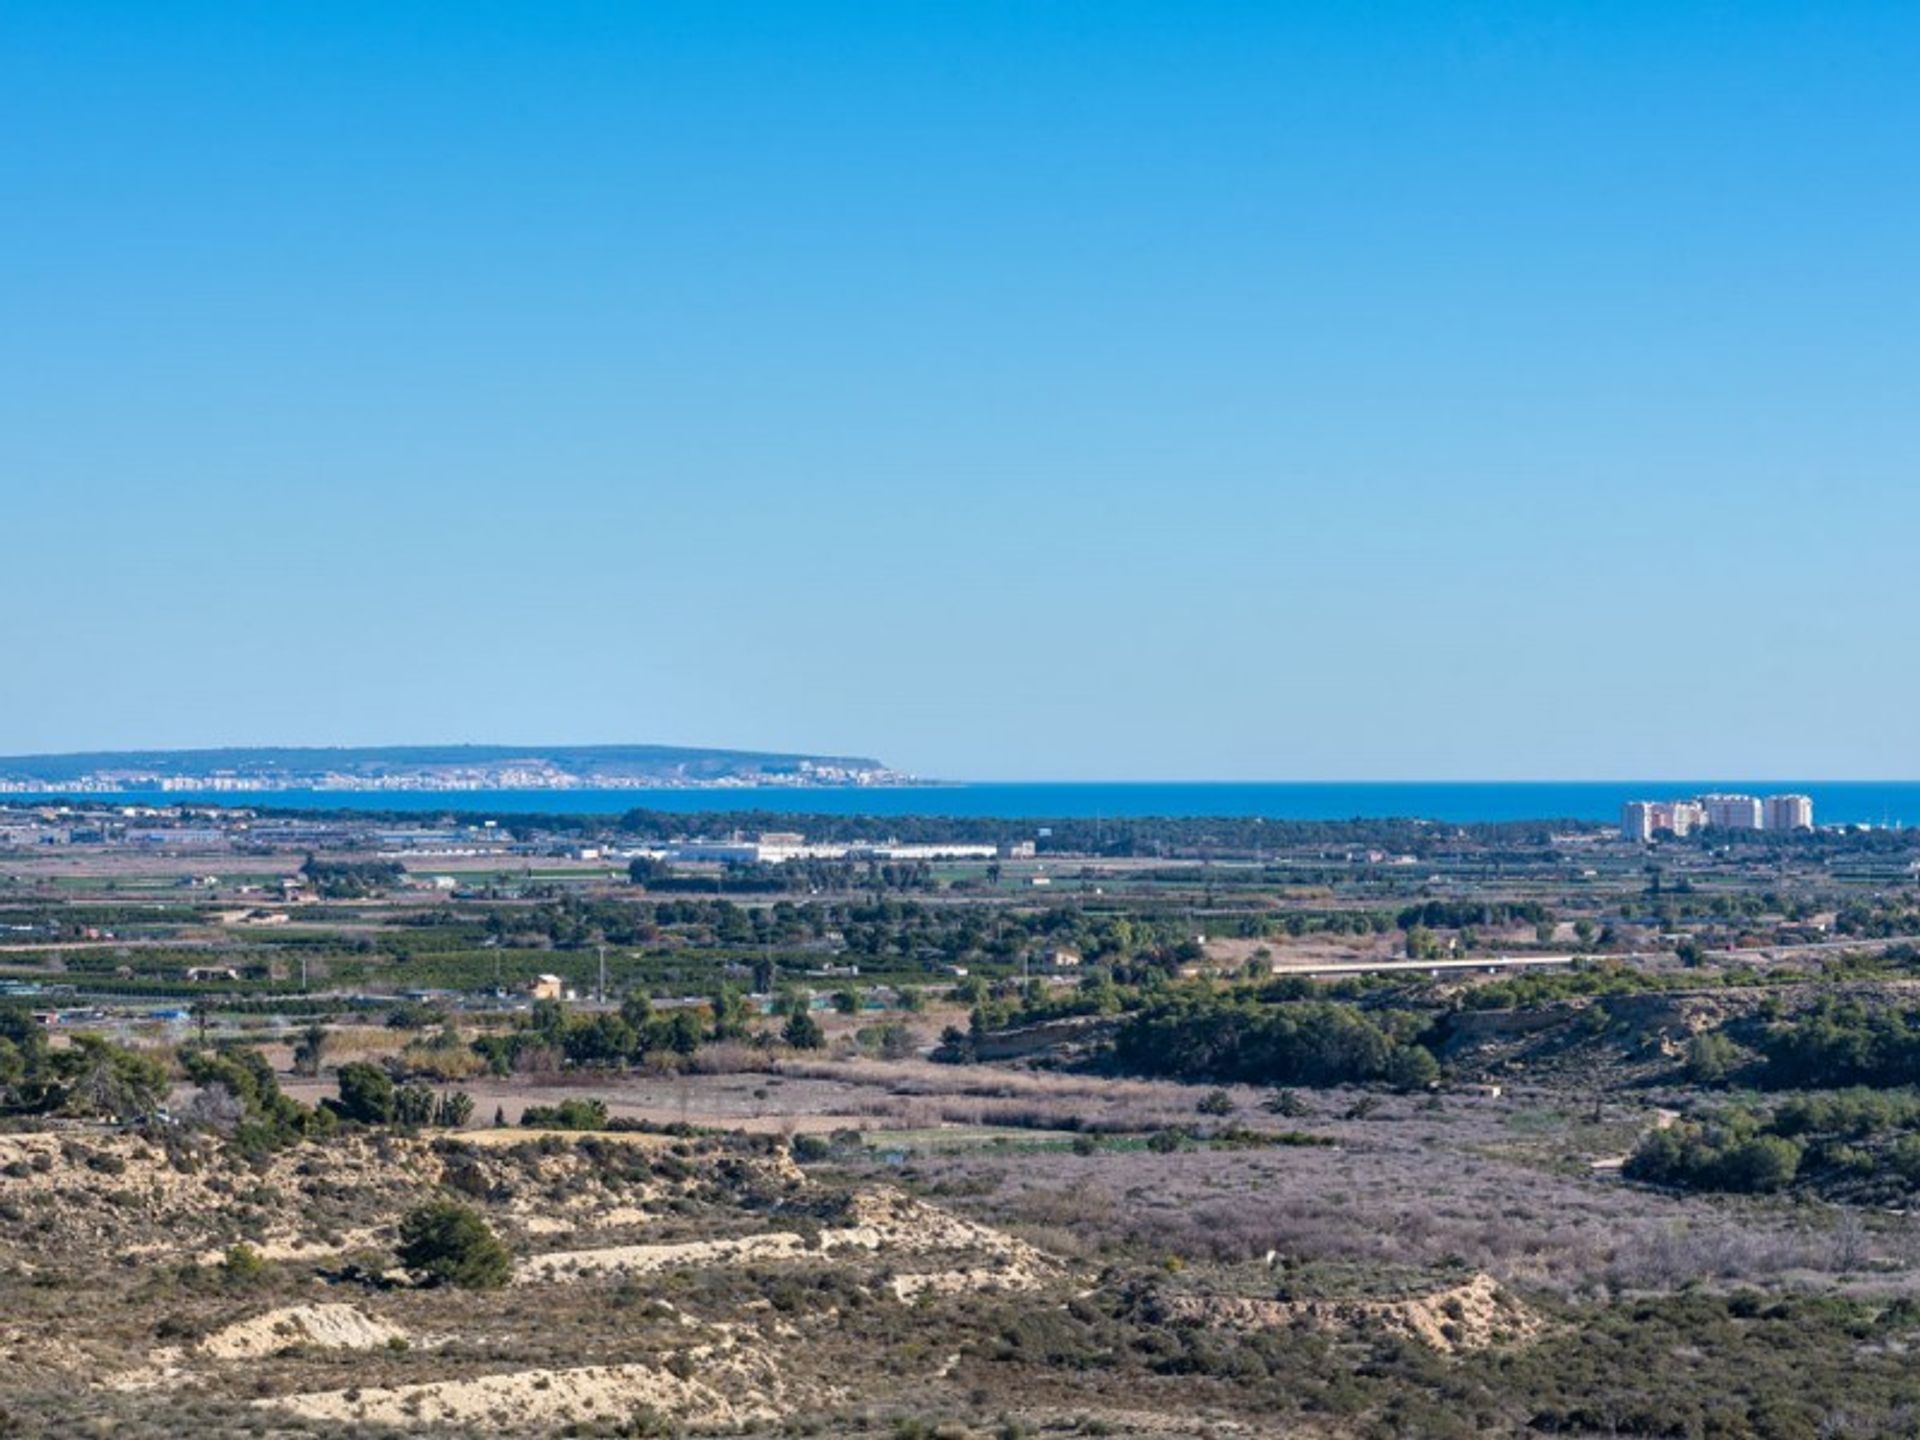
(433, 767)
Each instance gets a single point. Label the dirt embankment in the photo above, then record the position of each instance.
(74, 1196)
(1470, 1316)
(877, 1222)
(323, 1327)
(727, 1388)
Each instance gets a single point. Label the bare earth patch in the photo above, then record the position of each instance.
(326, 1327)
(1470, 1316)
(732, 1389)
(884, 1222)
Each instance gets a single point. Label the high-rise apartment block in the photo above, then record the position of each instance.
(1643, 819)
(1789, 812)
(1731, 812)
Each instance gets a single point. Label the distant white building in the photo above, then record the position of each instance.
(1636, 820)
(1641, 820)
(1789, 812)
(1731, 812)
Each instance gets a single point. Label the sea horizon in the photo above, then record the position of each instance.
(1836, 802)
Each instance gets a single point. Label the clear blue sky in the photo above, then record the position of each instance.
(1006, 390)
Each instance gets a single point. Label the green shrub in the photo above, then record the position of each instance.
(242, 1265)
(451, 1245)
(366, 1094)
(567, 1115)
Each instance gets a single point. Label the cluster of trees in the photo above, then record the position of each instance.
(1460, 914)
(369, 1096)
(1856, 1114)
(572, 1114)
(878, 931)
(1533, 988)
(1842, 1043)
(1214, 1037)
(996, 1004)
(1731, 1153)
(90, 1076)
(792, 877)
(551, 1038)
(351, 879)
(1296, 923)
(1877, 919)
(1858, 1144)
(241, 1098)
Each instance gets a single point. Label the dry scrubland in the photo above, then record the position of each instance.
(1457, 1250)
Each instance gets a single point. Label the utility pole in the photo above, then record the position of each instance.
(603, 973)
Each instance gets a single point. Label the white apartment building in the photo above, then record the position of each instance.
(1641, 820)
(1731, 812)
(1789, 812)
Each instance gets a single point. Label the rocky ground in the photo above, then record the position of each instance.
(156, 1285)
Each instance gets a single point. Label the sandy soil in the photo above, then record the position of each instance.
(1469, 1316)
(326, 1327)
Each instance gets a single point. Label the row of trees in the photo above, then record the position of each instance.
(1460, 914)
(875, 929)
(637, 1034)
(369, 1096)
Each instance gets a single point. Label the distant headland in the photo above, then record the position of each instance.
(267, 769)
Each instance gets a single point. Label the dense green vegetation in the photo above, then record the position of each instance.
(1731, 1153)
(448, 1244)
(89, 1077)
(267, 1118)
(1234, 1038)
(1860, 1145)
(1844, 1043)
(351, 879)
(570, 1114)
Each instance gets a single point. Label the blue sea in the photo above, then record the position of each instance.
(1870, 802)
